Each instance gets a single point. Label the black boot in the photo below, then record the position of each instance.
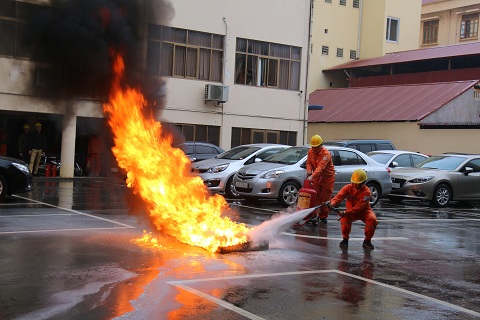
(344, 243)
(368, 244)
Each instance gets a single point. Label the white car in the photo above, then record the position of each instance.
(217, 173)
(281, 175)
(397, 158)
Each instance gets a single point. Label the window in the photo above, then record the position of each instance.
(353, 54)
(265, 64)
(242, 136)
(328, 1)
(356, 3)
(430, 32)
(469, 26)
(325, 50)
(392, 29)
(348, 158)
(12, 27)
(201, 133)
(184, 53)
(339, 52)
(343, 2)
(403, 160)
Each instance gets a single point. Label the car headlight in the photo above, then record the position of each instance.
(217, 169)
(421, 179)
(273, 174)
(21, 167)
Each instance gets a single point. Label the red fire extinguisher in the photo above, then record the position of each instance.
(307, 197)
(48, 167)
(54, 171)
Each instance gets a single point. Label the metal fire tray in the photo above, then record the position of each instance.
(244, 247)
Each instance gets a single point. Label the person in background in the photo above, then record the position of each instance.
(95, 150)
(321, 171)
(358, 208)
(38, 144)
(3, 141)
(23, 143)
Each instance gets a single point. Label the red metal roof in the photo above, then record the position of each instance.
(456, 50)
(410, 102)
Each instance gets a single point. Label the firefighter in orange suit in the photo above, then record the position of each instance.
(358, 208)
(321, 171)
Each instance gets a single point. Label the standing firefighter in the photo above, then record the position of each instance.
(358, 208)
(24, 143)
(321, 171)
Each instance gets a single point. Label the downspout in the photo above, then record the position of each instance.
(360, 17)
(305, 92)
(224, 76)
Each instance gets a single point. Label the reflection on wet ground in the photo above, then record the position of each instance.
(66, 252)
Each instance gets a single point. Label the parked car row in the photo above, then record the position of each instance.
(273, 171)
(14, 177)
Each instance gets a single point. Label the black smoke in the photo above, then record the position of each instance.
(75, 40)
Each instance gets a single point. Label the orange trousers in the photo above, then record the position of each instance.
(367, 217)
(324, 193)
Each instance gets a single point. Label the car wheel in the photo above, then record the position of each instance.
(376, 192)
(288, 194)
(230, 189)
(3, 188)
(396, 200)
(441, 196)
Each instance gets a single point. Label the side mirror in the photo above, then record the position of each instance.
(394, 164)
(258, 160)
(467, 171)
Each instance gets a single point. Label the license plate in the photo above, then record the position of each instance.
(396, 185)
(241, 184)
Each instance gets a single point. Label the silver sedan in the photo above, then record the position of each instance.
(281, 175)
(439, 179)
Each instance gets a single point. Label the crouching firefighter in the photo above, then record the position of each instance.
(358, 197)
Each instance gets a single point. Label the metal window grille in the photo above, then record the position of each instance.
(343, 2)
(328, 1)
(339, 52)
(353, 54)
(325, 50)
(356, 3)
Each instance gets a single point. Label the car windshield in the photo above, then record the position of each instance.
(238, 153)
(441, 162)
(287, 156)
(380, 157)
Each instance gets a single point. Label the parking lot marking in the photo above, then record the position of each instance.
(330, 238)
(37, 215)
(418, 295)
(220, 302)
(182, 284)
(75, 211)
(60, 230)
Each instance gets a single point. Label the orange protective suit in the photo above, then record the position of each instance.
(358, 208)
(323, 177)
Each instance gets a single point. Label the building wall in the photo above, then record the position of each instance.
(449, 13)
(404, 135)
(334, 26)
(247, 107)
(374, 26)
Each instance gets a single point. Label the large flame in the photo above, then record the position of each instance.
(179, 204)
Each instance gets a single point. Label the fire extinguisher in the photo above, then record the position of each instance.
(307, 197)
(54, 171)
(48, 167)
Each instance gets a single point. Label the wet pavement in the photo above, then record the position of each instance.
(66, 252)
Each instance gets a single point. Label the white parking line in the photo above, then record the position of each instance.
(36, 215)
(182, 284)
(329, 238)
(75, 211)
(60, 230)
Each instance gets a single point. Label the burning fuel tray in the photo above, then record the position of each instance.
(243, 247)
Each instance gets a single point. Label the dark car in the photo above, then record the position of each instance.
(363, 145)
(197, 151)
(15, 177)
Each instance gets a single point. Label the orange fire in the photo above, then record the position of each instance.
(179, 205)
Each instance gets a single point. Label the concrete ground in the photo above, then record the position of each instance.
(66, 252)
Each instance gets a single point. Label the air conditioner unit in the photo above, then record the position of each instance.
(215, 92)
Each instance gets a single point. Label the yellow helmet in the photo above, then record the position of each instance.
(316, 141)
(26, 126)
(38, 124)
(359, 176)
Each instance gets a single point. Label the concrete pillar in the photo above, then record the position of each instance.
(69, 130)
